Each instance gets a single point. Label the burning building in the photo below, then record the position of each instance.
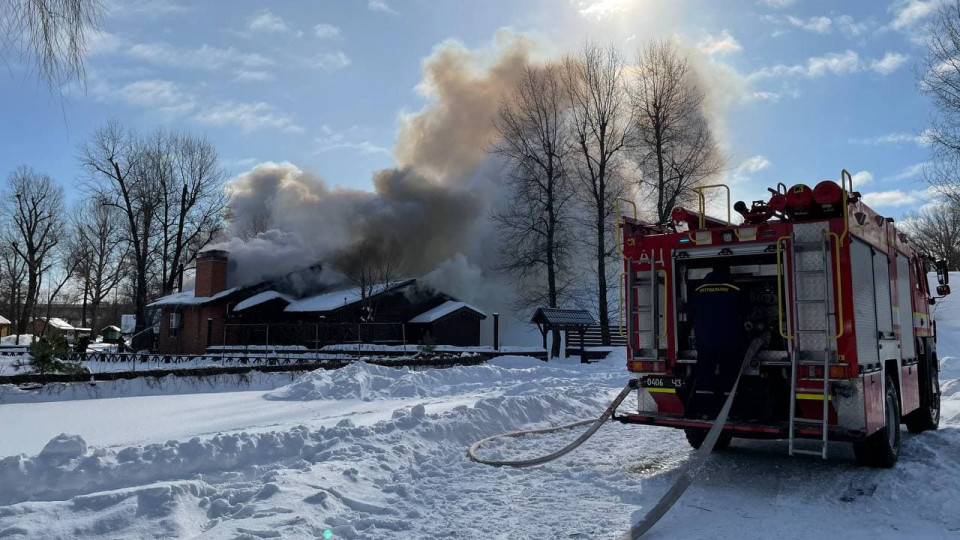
(271, 313)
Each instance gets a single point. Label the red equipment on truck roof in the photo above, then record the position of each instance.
(837, 295)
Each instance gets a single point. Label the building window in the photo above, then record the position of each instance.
(173, 330)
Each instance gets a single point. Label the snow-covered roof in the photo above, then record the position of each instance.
(57, 323)
(260, 298)
(4, 320)
(332, 300)
(443, 310)
(186, 298)
(111, 327)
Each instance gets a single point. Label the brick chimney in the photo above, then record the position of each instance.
(211, 273)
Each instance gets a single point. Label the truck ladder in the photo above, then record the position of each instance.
(812, 318)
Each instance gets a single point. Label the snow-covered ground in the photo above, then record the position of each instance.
(377, 452)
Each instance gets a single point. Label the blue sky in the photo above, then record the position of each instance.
(800, 88)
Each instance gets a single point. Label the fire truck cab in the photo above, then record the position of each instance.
(837, 297)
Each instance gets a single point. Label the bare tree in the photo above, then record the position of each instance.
(676, 149)
(192, 199)
(66, 260)
(13, 273)
(118, 176)
(36, 215)
(535, 139)
(937, 232)
(103, 253)
(594, 80)
(50, 34)
(371, 271)
(939, 78)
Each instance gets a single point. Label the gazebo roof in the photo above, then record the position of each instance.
(556, 317)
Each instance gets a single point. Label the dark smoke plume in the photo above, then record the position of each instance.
(421, 213)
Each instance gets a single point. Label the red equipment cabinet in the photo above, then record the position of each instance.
(830, 287)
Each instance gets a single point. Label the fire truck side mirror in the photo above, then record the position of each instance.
(943, 290)
(943, 276)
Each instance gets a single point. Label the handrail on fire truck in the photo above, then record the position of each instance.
(702, 202)
(622, 254)
(838, 280)
(780, 290)
(620, 221)
(846, 185)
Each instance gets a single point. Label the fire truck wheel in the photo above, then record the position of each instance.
(696, 436)
(927, 417)
(883, 447)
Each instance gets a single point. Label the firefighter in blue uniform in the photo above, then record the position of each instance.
(718, 329)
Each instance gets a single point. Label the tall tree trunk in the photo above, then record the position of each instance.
(602, 283)
(83, 305)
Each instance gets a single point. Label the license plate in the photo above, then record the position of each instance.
(662, 382)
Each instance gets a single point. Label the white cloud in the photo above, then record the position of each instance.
(380, 5)
(889, 63)
(860, 178)
(326, 31)
(602, 9)
(816, 66)
(103, 42)
(205, 57)
(925, 138)
(332, 61)
(754, 164)
(820, 25)
(764, 96)
(776, 3)
(165, 97)
(244, 75)
(248, 117)
(846, 62)
(908, 172)
(266, 21)
(746, 169)
(906, 14)
(834, 63)
(892, 198)
(353, 138)
(143, 9)
(723, 43)
(849, 27)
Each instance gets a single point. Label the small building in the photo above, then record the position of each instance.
(110, 334)
(272, 314)
(450, 323)
(55, 326)
(4, 326)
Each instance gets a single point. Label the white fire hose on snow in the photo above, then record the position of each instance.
(687, 472)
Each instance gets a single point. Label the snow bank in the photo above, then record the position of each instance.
(66, 468)
(146, 386)
(366, 381)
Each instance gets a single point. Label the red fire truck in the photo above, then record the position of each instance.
(838, 295)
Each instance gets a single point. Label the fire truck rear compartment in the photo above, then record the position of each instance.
(764, 391)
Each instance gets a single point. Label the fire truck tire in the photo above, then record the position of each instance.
(696, 437)
(883, 447)
(927, 417)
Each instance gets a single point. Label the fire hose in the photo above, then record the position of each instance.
(687, 473)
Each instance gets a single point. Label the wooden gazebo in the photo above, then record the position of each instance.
(569, 320)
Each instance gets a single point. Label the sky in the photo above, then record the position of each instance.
(799, 89)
